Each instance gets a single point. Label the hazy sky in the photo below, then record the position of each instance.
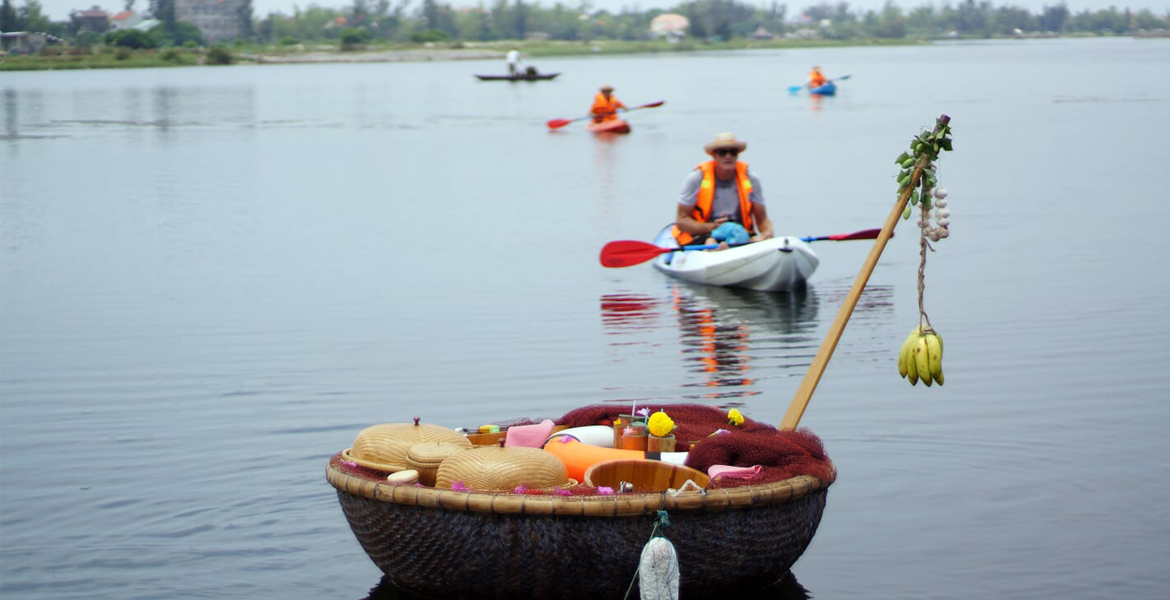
(59, 10)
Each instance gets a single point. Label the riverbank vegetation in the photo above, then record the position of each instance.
(365, 26)
(708, 20)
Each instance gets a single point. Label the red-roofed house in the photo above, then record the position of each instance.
(126, 19)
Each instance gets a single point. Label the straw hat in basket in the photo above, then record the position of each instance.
(383, 447)
(492, 469)
(426, 457)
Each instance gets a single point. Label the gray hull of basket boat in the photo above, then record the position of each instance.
(442, 550)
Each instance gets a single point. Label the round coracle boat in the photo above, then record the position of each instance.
(524, 529)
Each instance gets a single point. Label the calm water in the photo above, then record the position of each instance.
(212, 279)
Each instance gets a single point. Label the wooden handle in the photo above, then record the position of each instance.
(821, 360)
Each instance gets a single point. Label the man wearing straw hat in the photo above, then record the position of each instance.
(722, 200)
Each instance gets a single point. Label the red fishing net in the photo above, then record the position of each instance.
(781, 454)
(693, 422)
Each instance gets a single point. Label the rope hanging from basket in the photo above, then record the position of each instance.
(657, 573)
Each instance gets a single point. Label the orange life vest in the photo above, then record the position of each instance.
(706, 198)
(605, 109)
(816, 79)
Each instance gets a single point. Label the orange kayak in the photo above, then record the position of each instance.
(611, 126)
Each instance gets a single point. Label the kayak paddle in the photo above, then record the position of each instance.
(796, 88)
(558, 123)
(627, 253)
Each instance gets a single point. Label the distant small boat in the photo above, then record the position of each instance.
(611, 126)
(828, 89)
(518, 77)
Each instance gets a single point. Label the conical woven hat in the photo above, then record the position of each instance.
(425, 457)
(383, 447)
(431, 454)
(494, 469)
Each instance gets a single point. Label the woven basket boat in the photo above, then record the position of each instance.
(731, 541)
(445, 543)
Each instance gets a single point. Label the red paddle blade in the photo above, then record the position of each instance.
(866, 234)
(558, 123)
(653, 104)
(627, 253)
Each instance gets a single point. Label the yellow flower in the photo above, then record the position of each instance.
(660, 425)
(734, 418)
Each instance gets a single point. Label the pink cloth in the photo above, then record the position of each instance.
(716, 471)
(529, 436)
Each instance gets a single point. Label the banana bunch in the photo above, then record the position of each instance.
(921, 356)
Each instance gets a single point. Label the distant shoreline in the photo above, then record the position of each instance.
(374, 56)
(531, 50)
(109, 58)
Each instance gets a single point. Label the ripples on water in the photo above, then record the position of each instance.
(730, 339)
(786, 589)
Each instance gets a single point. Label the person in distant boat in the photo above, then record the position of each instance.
(722, 200)
(816, 79)
(513, 58)
(605, 105)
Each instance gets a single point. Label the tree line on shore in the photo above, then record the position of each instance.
(364, 21)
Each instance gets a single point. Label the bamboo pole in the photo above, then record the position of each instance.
(821, 360)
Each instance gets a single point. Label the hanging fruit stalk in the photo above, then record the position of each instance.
(906, 185)
(920, 357)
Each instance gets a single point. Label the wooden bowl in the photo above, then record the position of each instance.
(645, 475)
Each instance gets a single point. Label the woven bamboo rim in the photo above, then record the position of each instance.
(618, 505)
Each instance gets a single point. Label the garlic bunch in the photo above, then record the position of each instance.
(940, 229)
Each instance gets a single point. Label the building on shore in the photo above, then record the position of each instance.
(126, 19)
(669, 26)
(25, 42)
(217, 20)
(95, 19)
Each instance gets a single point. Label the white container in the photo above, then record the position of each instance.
(594, 435)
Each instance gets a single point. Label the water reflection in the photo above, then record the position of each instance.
(728, 337)
(791, 313)
(716, 346)
(10, 113)
(728, 333)
(24, 116)
(165, 108)
(787, 588)
(628, 313)
(165, 100)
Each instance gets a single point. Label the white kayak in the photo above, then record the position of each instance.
(778, 264)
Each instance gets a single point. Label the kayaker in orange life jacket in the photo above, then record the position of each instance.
(605, 105)
(722, 200)
(816, 79)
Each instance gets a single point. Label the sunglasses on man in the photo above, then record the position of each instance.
(727, 152)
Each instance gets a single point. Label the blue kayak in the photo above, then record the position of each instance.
(828, 89)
